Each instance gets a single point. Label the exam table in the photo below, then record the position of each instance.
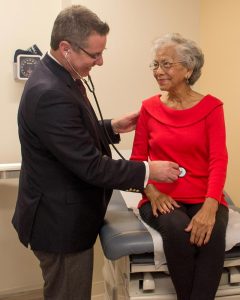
(129, 270)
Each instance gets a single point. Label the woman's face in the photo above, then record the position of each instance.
(169, 72)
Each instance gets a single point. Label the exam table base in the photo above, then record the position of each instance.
(125, 280)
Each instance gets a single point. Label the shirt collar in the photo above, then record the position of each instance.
(52, 57)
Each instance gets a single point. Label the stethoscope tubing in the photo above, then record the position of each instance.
(91, 89)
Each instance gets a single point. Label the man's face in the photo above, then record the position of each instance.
(83, 59)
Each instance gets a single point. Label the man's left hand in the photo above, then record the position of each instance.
(126, 123)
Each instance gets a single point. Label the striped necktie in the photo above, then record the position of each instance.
(82, 89)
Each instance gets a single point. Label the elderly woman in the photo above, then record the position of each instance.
(184, 126)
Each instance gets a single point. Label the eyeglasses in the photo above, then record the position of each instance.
(165, 65)
(94, 56)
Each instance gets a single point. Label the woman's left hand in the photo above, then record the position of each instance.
(202, 223)
(126, 123)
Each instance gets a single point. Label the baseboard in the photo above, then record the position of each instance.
(15, 293)
(33, 290)
(97, 291)
(98, 297)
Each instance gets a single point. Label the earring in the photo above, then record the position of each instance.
(187, 80)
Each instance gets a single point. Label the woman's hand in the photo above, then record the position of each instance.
(202, 223)
(126, 123)
(159, 201)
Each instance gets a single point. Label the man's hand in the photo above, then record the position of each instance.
(125, 124)
(163, 171)
(159, 201)
(202, 223)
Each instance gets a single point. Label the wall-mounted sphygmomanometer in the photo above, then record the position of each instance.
(25, 61)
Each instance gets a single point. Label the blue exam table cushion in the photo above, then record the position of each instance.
(122, 234)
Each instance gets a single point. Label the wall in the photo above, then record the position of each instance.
(23, 24)
(121, 84)
(125, 79)
(220, 41)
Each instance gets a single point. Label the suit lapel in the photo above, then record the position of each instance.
(67, 80)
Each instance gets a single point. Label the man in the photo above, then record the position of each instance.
(67, 173)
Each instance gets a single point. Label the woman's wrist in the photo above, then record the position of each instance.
(211, 203)
(151, 191)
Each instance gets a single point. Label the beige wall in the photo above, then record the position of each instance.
(125, 79)
(22, 23)
(220, 40)
(121, 84)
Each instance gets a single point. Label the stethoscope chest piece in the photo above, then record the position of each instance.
(183, 172)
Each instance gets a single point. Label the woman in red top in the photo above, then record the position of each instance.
(184, 126)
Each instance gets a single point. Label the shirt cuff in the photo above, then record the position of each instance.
(146, 174)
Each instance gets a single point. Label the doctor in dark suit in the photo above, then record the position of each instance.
(67, 173)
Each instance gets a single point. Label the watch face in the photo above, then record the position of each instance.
(27, 63)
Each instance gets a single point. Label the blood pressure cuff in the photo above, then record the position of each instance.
(33, 50)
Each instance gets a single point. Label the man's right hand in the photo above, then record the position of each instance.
(163, 171)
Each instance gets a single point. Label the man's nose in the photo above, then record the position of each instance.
(99, 61)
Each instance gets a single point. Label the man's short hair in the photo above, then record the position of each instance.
(75, 24)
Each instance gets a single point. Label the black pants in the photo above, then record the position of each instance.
(66, 276)
(195, 271)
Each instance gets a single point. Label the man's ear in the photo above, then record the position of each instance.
(65, 48)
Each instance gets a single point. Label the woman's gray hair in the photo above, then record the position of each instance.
(189, 53)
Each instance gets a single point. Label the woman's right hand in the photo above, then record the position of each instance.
(159, 201)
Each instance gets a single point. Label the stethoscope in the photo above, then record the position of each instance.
(91, 89)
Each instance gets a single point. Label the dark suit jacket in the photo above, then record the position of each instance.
(67, 173)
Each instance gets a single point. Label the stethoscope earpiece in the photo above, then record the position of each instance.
(66, 53)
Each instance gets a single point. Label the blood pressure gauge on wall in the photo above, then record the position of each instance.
(25, 65)
(25, 61)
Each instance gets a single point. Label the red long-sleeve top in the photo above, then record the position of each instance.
(194, 138)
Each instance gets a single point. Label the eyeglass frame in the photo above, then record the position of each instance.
(161, 64)
(94, 56)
